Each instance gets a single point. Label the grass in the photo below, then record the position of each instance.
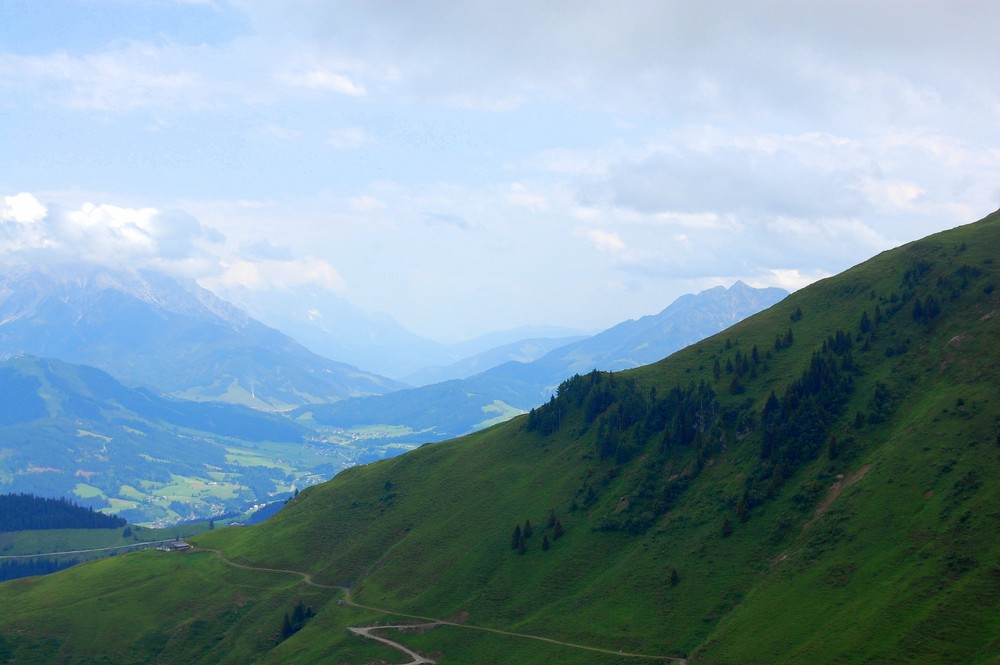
(45, 542)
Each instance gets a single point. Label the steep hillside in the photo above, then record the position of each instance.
(815, 484)
(150, 330)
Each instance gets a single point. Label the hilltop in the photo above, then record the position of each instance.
(817, 483)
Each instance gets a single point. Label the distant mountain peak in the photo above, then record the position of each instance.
(147, 328)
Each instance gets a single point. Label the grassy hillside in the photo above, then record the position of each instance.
(816, 484)
(73, 430)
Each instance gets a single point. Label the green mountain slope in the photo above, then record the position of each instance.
(74, 431)
(816, 484)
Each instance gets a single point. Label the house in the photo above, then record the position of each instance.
(176, 546)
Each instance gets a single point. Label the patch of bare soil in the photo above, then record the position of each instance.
(459, 617)
(835, 490)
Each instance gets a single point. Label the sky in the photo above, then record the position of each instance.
(466, 167)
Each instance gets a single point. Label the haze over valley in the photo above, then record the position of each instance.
(151, 419)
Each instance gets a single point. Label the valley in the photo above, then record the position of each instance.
(219, 440)
(813, 484)
(486, 333)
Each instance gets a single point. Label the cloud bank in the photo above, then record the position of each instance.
(477, 166)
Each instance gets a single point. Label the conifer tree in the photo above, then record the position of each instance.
(742, 508)
(866, 323)
(832, 447)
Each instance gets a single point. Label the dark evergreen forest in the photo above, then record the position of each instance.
(11, 570)
(26, 512)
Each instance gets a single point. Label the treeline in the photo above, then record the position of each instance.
(26, 512)
(11, 570)
(795, 428)
(629, 422)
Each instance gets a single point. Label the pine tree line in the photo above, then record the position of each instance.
(26, 512)
(11, 570)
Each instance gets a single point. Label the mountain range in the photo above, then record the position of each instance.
(150, 330)
(174, 440)
(817, 483)
(335, 328)
(456, 407)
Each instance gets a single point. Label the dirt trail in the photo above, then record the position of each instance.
(835, 490)
(429, 622)
(366, 632)
(306, 577)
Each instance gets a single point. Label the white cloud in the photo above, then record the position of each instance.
(325, 80)
(22, 208)
(112, 228)
(365, 203)
(608, 241)
(128, 79)
(277, 275)
(682, 141)
(522, 196)
(788, 279)
(170, 240)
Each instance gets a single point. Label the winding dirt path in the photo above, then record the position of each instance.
(429, 622)
(366, 632)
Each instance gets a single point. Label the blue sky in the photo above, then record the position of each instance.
(476, 166)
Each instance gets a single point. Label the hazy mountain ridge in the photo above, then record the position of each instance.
(149, 329)
(436, 412)
(523, 350)
(687, 320)
(335, 328)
